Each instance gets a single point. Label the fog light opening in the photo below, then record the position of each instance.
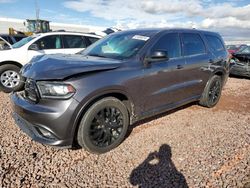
(45, 133)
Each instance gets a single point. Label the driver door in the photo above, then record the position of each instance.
(163, 80)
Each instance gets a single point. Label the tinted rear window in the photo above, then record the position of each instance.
(74, 41)
(214, 43)
(193, 44)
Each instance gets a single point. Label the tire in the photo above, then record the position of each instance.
(99, 131)
(212, 92)
(9, 71)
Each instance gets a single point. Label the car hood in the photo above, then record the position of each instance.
(59, 67)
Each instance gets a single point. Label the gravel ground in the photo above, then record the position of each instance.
(189, 147)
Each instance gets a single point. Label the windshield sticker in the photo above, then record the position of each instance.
(140, 37)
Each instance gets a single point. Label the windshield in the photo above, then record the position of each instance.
(23, 42)
(246, 50)
(117, 46)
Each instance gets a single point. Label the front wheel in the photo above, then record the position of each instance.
(103, 126)
(10, 79)
(212, 92)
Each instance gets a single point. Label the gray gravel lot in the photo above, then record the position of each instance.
(192, 146)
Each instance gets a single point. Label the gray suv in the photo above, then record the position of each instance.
(91, 98)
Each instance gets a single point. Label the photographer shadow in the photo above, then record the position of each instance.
(158, 170)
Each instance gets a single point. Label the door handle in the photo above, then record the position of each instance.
(179, 66)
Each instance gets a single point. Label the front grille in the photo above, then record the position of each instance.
(30, 90)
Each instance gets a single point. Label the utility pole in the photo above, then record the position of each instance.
(37, 15)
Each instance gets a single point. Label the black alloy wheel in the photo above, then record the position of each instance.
(212, 92)
(103, 126)
(106, 127)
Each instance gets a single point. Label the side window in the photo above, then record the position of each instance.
(74, 41)
(170, 43)
(49, 42)
(215, 43)
(92, 39)
(193, 44)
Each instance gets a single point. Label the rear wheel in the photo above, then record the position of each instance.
(104, 125)
(212, 92)
(10, 79)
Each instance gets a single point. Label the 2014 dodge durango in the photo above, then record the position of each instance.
(91, 98)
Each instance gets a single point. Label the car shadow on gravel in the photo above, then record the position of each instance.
(158, 170)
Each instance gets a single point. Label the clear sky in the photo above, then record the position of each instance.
(230, 17)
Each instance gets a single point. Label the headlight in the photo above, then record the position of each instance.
(55, 90)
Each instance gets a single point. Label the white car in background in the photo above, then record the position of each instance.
(22, 52)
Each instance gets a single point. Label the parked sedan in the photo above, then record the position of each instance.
(241, 62)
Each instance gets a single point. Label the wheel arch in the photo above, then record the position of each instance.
(11, 63)
(118, 94)
(222, 73)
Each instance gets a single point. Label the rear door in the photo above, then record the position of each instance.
(196, 71)
(74, 43)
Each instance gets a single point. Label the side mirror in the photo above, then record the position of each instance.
(156, 56)
(34, 47)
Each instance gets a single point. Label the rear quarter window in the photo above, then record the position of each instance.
(215, 43)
